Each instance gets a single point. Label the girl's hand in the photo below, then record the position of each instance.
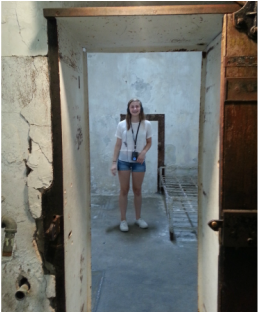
(141, 157)
(113, 169)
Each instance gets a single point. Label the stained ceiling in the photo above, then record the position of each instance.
(144, 33)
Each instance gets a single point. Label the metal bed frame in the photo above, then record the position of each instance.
(180, 189)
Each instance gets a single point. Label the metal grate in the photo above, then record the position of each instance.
(179, 184)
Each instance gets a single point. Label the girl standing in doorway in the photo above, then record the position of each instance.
(133, 141)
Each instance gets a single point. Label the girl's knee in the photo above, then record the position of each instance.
(137, 191)
(124, 191)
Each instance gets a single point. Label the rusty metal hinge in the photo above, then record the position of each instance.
(246, 19)
(54, 228)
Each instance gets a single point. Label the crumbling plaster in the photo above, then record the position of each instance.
(26, 171)
(26, 148)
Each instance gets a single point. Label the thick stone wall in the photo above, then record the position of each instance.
(26, 172)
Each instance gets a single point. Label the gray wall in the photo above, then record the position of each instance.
(166, 83)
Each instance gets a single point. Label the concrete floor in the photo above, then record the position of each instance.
(142, 270)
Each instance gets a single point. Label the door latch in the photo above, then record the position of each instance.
(215, 224)
(237, 229)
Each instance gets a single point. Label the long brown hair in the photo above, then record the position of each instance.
(128, 114)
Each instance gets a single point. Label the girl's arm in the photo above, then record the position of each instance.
(115, 155)
(141, 156)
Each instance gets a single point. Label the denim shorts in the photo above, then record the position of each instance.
(131, 166)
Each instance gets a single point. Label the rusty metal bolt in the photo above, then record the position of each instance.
(240, 21)
(253, 30)
(214, 224)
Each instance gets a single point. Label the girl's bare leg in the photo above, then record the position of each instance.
(124, 179)
(137, 178)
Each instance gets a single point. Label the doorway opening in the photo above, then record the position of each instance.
(167, 83)
(73, 65)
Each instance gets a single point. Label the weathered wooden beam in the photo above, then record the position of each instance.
(242, 3)
(142, 10)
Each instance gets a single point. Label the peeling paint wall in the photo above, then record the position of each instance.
(166, 83)
(208, 242)
(26, 171)
(76, 161)
(26, 149)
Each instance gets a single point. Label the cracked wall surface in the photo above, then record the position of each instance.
(26, 171)
(26, 150)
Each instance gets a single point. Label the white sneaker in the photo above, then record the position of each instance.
(141, 223)
(124, 226)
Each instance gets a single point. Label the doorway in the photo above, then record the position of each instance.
(77, 139)
(172, 92)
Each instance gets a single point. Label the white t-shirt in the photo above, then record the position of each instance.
(127, 147)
